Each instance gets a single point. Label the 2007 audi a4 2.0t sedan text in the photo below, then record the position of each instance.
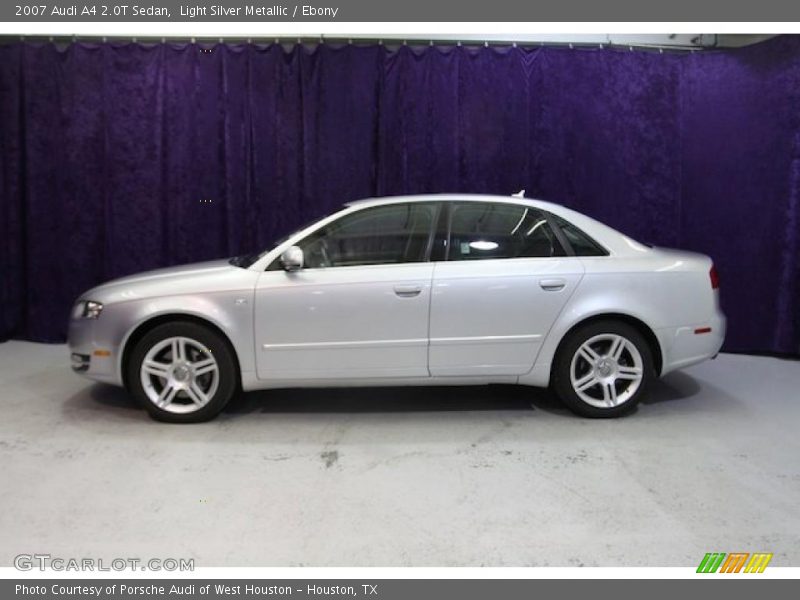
(416, 290)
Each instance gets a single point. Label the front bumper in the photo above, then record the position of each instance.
(80, 362)
(92, 354)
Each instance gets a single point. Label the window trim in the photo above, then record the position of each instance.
(432, 233)
(560, 235)
(446, 224)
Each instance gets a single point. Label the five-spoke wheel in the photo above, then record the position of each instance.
(182, 372)
(602, 369)
(606, 370)
(179, 375)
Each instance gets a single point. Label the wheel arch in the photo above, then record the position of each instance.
(645, 330)
(151, 323)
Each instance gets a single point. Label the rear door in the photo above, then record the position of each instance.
(503, 280)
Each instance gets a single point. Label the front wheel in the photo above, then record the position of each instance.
(182, 373)
(603, 369)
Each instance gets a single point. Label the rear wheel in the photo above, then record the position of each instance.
(603, 369)
(182, 373)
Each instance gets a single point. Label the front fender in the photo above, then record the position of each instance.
(229, 311)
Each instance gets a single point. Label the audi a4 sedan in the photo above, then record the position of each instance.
(415, 290)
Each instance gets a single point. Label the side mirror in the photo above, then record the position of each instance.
(292, 259)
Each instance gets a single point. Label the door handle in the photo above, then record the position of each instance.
(552, 285)
(407, 291)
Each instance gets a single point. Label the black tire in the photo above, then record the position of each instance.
(227, 379)
(561, 382)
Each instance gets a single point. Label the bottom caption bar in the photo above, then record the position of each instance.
(384, 589)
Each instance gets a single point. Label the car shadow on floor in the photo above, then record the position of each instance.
(677, 385)
(673, 387)
(389, 399)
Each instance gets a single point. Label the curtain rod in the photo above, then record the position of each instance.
(342, 40)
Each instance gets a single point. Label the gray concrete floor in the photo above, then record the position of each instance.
(403, 477)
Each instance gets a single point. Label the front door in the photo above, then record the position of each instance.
(359, 307)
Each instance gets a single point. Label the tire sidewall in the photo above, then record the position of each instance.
(562, 384)
(228, 378)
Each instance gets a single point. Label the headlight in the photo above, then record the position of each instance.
(87, 309)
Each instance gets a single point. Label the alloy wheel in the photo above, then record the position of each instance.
(179, 375)
(606, 370)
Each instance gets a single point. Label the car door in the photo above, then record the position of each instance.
(504, 279)
(359, 306)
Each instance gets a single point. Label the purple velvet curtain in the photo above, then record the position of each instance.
(120, 158)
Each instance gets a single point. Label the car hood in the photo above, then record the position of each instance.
(210, 276)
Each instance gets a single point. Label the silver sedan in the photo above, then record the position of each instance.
(417, 290)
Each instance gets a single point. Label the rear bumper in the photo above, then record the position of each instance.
(691, 344)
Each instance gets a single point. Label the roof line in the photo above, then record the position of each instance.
(442, 196)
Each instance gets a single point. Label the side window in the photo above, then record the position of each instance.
(396, 233)
(481, 230)
(581, 243)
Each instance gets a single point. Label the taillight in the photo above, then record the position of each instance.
(714, 278)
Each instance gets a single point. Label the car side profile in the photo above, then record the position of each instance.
(412, 290)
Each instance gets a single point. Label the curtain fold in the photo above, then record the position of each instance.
(116, 158)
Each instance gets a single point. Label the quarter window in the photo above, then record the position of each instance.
(581, 243)
(482, 230)
(396, 233)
